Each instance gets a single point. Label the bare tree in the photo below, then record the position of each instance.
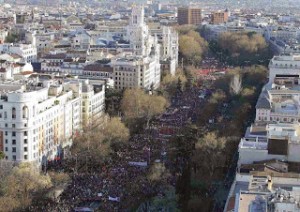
(20, 185)
(209, 152)
(137, 104)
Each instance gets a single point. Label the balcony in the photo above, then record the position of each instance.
(259, 145)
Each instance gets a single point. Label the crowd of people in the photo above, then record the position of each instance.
(122, 183)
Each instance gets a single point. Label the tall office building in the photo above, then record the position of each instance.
(219, 17)
(189, 15)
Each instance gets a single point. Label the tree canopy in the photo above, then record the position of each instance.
(191, 45)
(136, 104)
(241, 48)
(19, 186)
(242, 43)
(99, 142)
(208, 150)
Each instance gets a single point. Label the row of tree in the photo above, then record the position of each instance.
(241, 48)
(209, 146)
(110, 134)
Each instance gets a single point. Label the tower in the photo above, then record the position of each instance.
(137, 16)
(137, 31)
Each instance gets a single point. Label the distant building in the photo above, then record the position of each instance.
(219, 17)
(189, 15)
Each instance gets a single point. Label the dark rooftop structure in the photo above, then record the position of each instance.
(278, 146)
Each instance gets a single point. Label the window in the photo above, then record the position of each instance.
(25, 149)
(25, 141)
(6, 141)
(13, 126)
(6, 125)
(25, 112)
(14, 157)
(13, 133)
(14, 149)
(25, 133)
(14, 142)
(6, 133)
(6, 149)
(13, 113)
(25, 157)
(1, 107)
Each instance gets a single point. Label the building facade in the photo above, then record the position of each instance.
(219, 17)
(40, 118)
(140, 68)
(189, 15)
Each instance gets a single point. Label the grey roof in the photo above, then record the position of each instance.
(263, 103)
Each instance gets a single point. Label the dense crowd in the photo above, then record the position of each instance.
(119, 184)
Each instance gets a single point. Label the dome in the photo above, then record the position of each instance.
(27, 67)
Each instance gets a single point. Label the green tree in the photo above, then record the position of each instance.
(2, 155)
(12, 38)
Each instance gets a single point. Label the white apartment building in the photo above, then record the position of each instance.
(284, 66)
(27, 51)
(92, 103)
(136, 72)
(278, 104)
(279, 100)
(39, 119)
(263, 192)
(273, 141)
(8, 70)
(52, 62)
(41, 39)
(275, 133)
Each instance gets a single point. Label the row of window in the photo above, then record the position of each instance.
(14, 157)
(14, 149)
(14, 112)
(14, 141)
(277, 119)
